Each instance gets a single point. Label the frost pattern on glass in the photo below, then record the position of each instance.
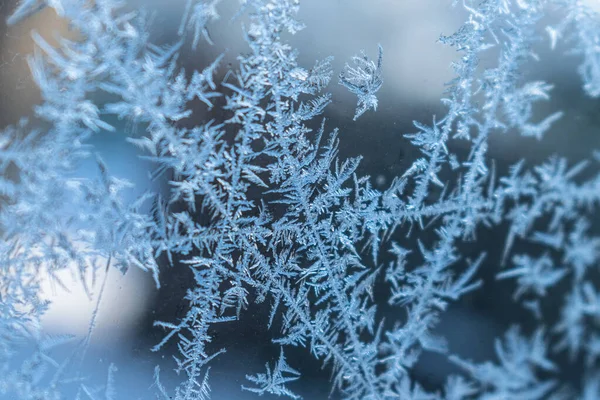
(310, 245)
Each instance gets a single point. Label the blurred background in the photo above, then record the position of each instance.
(415, 69)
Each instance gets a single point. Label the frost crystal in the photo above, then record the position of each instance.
(364, 80)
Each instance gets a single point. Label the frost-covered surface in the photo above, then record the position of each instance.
(262, 209)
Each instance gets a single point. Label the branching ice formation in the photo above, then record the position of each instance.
(364, 80)
(262, 208)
